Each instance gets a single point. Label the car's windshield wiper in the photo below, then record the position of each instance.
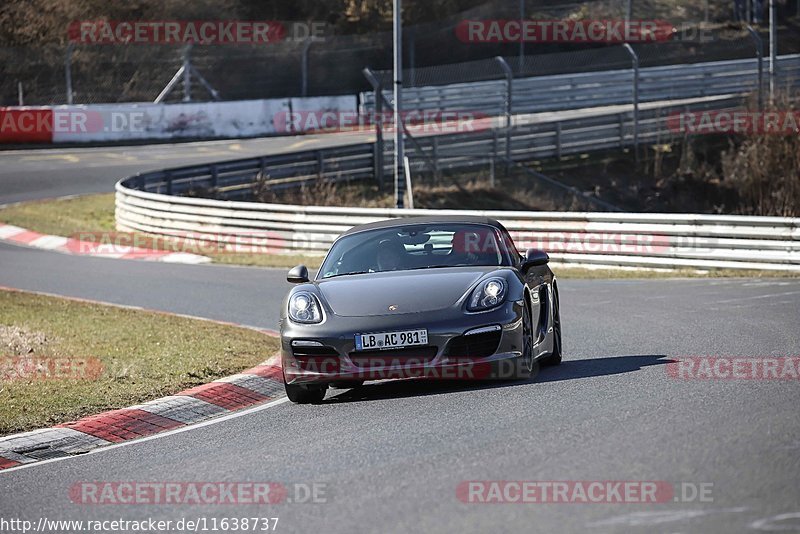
(446, 266)
(345, 274)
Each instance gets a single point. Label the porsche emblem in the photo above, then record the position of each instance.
(393, 307)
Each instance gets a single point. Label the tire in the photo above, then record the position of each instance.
(526, 367)
(304, 394)
(555, 357)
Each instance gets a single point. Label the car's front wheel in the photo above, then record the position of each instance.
(302, 394)
(555, 357)
(527, 366)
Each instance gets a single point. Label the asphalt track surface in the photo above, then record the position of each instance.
(392, 454)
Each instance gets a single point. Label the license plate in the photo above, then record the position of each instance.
(391, 340)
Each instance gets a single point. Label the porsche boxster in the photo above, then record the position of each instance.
(446, 297)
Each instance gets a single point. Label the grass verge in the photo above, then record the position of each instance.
(95, 213)
(62, 359)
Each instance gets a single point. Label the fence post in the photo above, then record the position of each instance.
(304, 66)
(68, 72)
(187, 74)
(521, 39)
(377, 88)
(760, 55)
(412, 56)
(508, 105)
(773, 50)
(635, 60)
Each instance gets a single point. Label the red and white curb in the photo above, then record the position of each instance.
(253, 386)
(68, 245)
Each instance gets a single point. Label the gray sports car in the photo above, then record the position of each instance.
(430, 297)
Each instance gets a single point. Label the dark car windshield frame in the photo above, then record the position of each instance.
(369, 240)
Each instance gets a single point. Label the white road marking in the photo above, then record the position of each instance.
(659, 517)
(756, 297)
(769, 524)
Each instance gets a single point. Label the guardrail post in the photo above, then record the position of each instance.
(379, 148)
(558, 140)
(320, 164)
(169, 182)
(214, 177)
(760, 57)
(508, 105)
(635, 60)
(621, 130)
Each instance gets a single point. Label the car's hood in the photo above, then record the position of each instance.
(408, 291)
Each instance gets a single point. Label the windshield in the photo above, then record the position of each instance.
(415, 247)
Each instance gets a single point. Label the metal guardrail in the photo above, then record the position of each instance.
(150, 202)
(530, 137)
(597, 239)
(593, 89)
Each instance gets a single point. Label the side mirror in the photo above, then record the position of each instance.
(298, 275)
(534, 258)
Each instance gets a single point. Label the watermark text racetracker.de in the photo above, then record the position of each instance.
(29, 368)
(191, 493)
(150, 524)
(202, 32)
(734, 368)
(132, 244)
(70, 121)
(275, 242)
(582, 492)
(418, 122)
(579, 31)
(737, 121)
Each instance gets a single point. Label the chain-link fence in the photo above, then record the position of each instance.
(710, 44)
(139, 72)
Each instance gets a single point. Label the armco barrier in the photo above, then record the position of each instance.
(593, 89)
(531, 136)
(598, 239)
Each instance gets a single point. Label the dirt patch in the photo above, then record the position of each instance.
(16, 341)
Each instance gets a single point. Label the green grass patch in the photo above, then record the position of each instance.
(65, 217)
(95, 213)
(142, 356)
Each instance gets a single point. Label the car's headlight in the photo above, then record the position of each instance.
(489, 294)
(305, 308)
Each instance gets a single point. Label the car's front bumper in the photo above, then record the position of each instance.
(340, 362)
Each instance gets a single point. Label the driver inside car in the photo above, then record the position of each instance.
(390, 255)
